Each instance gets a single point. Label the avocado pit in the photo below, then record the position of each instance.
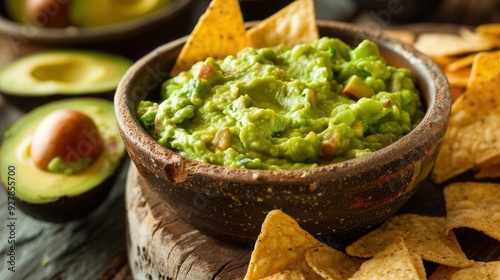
(48, 13)
(68, 137)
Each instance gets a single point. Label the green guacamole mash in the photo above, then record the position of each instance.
(285, 109)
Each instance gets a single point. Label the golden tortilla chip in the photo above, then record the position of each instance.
(402, 35)
(444, 61)
(292, 25)
(393, 262)
(286, 275)
(219, 32)
(423, 235)
(474, 37)
(479, 270)
(473, 205)
(461, 63)
(281, 245)
(331, 263)
(446, 44)
(458, 77)
(488, 170)
(456, 91)
(485, 68)
(471, 138)
(488, 29)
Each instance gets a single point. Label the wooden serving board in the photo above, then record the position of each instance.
(161, 246)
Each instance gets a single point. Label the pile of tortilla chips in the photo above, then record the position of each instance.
(398, 248)
(471, 61)
(395, 250)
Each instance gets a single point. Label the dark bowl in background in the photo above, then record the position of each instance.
(339, 200)
(133, 39)
(395, 12)
(261, 9)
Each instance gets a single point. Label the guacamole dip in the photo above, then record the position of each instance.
(271, 108)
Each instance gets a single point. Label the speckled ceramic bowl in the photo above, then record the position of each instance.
(339, 200)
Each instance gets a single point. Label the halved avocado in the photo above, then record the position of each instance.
(93, 13)
(53, 74)
(57, 197)
(40, 13)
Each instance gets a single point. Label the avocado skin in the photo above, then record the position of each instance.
(70, 208)
(28, 103)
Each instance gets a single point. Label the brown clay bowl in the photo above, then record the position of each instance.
(340, 200)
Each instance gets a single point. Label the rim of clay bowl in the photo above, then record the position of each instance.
(432, 127)
(75, 35)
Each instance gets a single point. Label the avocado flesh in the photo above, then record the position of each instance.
(357, 89)
(36, 186)
(95, 13)
(66, 72)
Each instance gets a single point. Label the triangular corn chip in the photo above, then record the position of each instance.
(331, 263)
(473, 205)
(219, 32)
(393, 262)
(281, 245)
(286, 275)
(423, 235)
(292, 25)
(479, 270)
(473, 132)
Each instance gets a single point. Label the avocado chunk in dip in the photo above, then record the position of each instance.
(276, 108)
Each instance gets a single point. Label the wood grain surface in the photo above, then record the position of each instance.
(90, 248)
(161, 246)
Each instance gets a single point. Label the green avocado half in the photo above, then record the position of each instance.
(85, 13)
(49, 75)
(94, 13)
(56, 197)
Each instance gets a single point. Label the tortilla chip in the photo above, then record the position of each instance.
(281, 245)
(474, 37)
(461, 63)
(219, 32)
(286, 275)
(402, 35)
(331, 263)
(471, 138)
(473, 205)
(488, 29)
(423, 235)
(444, 61)
(479, 270)
(292, 25)
(485, 68)
(446, 44)
(488, 170)
(418, 263)
(458, 77)
(456, 91)
(393, 262)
